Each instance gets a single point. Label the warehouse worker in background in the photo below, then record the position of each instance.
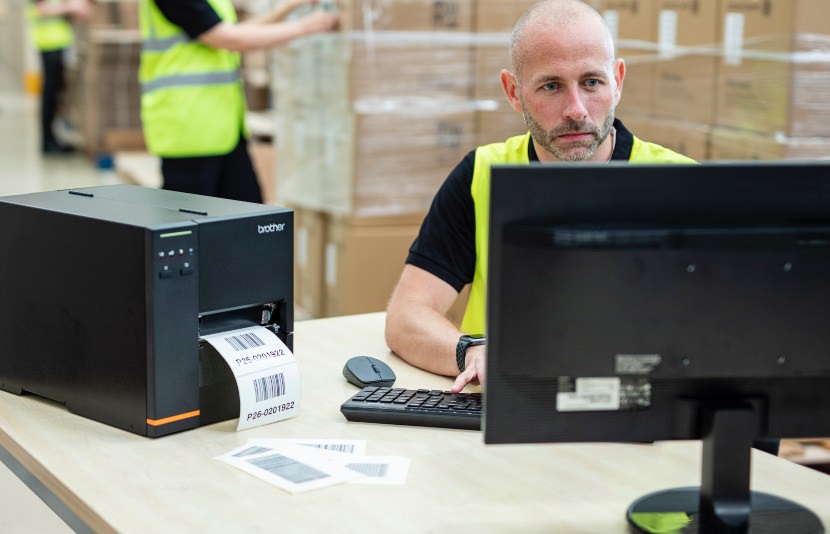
(192, 100)
(51, 28)
(566, 82)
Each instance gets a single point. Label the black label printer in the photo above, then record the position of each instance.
(105, 292)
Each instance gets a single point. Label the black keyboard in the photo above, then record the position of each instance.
(419, 407)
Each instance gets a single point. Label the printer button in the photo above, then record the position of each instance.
(166, 273)
(186, 271)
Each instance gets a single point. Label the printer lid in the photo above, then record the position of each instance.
(140, 206)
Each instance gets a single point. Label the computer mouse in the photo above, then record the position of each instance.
(365, 371)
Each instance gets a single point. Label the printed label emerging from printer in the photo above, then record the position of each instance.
(266, 374)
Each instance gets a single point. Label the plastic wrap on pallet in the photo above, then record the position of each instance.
(372, 119)
(389, 104)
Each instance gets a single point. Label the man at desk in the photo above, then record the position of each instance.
(566, 82)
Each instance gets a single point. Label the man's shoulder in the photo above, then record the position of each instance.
(648, 152)
(511, 150)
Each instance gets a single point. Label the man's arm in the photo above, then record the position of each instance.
(200, 21)
(278, 13)
(245, 37)
(441, 261)
(80, 9)
(418, 331)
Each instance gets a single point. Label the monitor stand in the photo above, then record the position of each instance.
(723, 503)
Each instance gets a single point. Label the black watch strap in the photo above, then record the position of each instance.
(464, 342)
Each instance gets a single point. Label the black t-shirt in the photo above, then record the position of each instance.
(195, 17)
(445, 245)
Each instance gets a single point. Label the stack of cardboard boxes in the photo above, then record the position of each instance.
(372, 119)
(726, 79)
(104, 95)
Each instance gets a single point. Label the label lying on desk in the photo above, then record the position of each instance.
(266, 374)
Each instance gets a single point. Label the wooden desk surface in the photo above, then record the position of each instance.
(117, 481)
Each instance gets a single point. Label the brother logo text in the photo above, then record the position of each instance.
(268, 228)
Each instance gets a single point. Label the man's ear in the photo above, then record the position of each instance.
(510, 85)
(619, 76)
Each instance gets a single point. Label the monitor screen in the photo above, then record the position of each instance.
(657, 302)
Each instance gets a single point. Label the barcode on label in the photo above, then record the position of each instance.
(370, 470)
(339, 447)
(248, 340)
(250, 450)
(269, 387)
(288, 468)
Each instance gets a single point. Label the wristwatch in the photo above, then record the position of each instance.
(464, 342)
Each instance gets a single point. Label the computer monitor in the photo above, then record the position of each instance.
(637, 303)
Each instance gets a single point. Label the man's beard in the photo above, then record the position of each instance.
(577, 150)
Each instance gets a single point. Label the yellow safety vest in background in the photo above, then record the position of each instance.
(50, 33)
(192, 101)
(514, 151)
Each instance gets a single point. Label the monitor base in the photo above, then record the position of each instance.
(675, 510)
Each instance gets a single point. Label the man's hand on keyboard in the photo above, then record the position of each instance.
(474, 370)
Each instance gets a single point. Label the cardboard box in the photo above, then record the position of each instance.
(408, 15)
(499, 16)
(497, 126)
(685, 70)
(368, 164)
(310, 235)
(389, 70)
(364, 259)
(115, 14)
(633, 25)
(109, 98)
(490, 59)
(691, 139)
(262, 157)
(773, 71)
(729, 144)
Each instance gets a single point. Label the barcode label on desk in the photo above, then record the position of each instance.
(269, 387)
(288, 468)
(337, 447)
(248, 340)
(369, 469)
(250, 451)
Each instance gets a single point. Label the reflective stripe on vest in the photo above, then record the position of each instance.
(50, 33)
(152, 44)
(192, 103)
(184, 80)
(514, 151)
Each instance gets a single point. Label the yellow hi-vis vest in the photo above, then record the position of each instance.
(50, 33)
(514, 151)
(192, 102)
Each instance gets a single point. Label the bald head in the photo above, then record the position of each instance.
(550, 15)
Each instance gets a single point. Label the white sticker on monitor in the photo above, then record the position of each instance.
(589, 394)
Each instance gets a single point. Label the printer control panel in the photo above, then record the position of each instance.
(175, 256)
